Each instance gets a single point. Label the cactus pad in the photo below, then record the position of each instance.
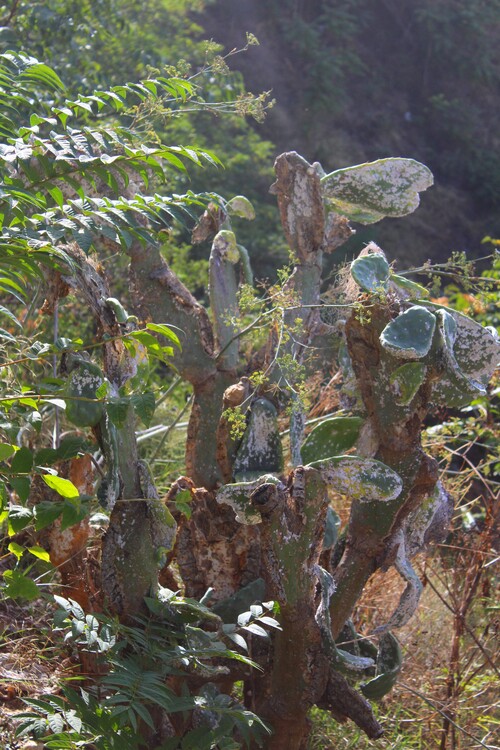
(406, 380)
(332, 525)
(331, 438)
(368, 192)
(83, 383)
(408, 289)
(429, 522)
(371, 272)
(240, 206)
(410, 597)
(470, 353)
(409, 336)
(225, 243)
(362, 479)
(342, 661)
(389, 662)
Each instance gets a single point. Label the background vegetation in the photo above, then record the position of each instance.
(357, 80)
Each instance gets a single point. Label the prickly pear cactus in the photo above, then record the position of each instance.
(362, 479)
(409, 336)
(371, 272)
(406, 380)
(461, 353)
(83, 408)
(389, 663)
(332, 437)
(241, 207)
(352, 665)
(400, 353)
(470, 353)
(368, 192)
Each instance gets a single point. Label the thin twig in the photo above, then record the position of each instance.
(473, 468)
(443, 713)
(57, 426)
(170, 428)
(6, 21)
(467, 628)
(169, 390)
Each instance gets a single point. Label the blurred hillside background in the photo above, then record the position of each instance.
(358, 80)
(353, 80)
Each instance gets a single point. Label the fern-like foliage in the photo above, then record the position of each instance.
(70, 171)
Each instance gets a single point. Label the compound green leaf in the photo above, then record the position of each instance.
(22, 463)
(19, 517)
(144, 405)
(17, 549)
(19, 586)
(63, 487)
(40, 553)
(117, 409)
(22, 486)
(165, 330)
(46, 513)
(6, 450)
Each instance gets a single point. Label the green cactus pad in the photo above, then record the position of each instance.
(476, 348)
(237, 495)
(330, 438)
(447, 327)
(332, 525)
(83, 383)
(429, 522)
(470, 353)
(355, 643)
(406, 380)
(409, 599)
(260, 450)
(240, 206)
(368, 192)
(225, 243)
(409, 289)
(246, 266)
(389, 662)
(371, 272)
(118, 309)
(458, 388)
(409, 336)
(352, 665)
(362, 479)
(239, 602)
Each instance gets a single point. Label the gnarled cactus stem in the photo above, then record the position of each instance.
(292, 533)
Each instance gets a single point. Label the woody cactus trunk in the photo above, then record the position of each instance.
(261, 526)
